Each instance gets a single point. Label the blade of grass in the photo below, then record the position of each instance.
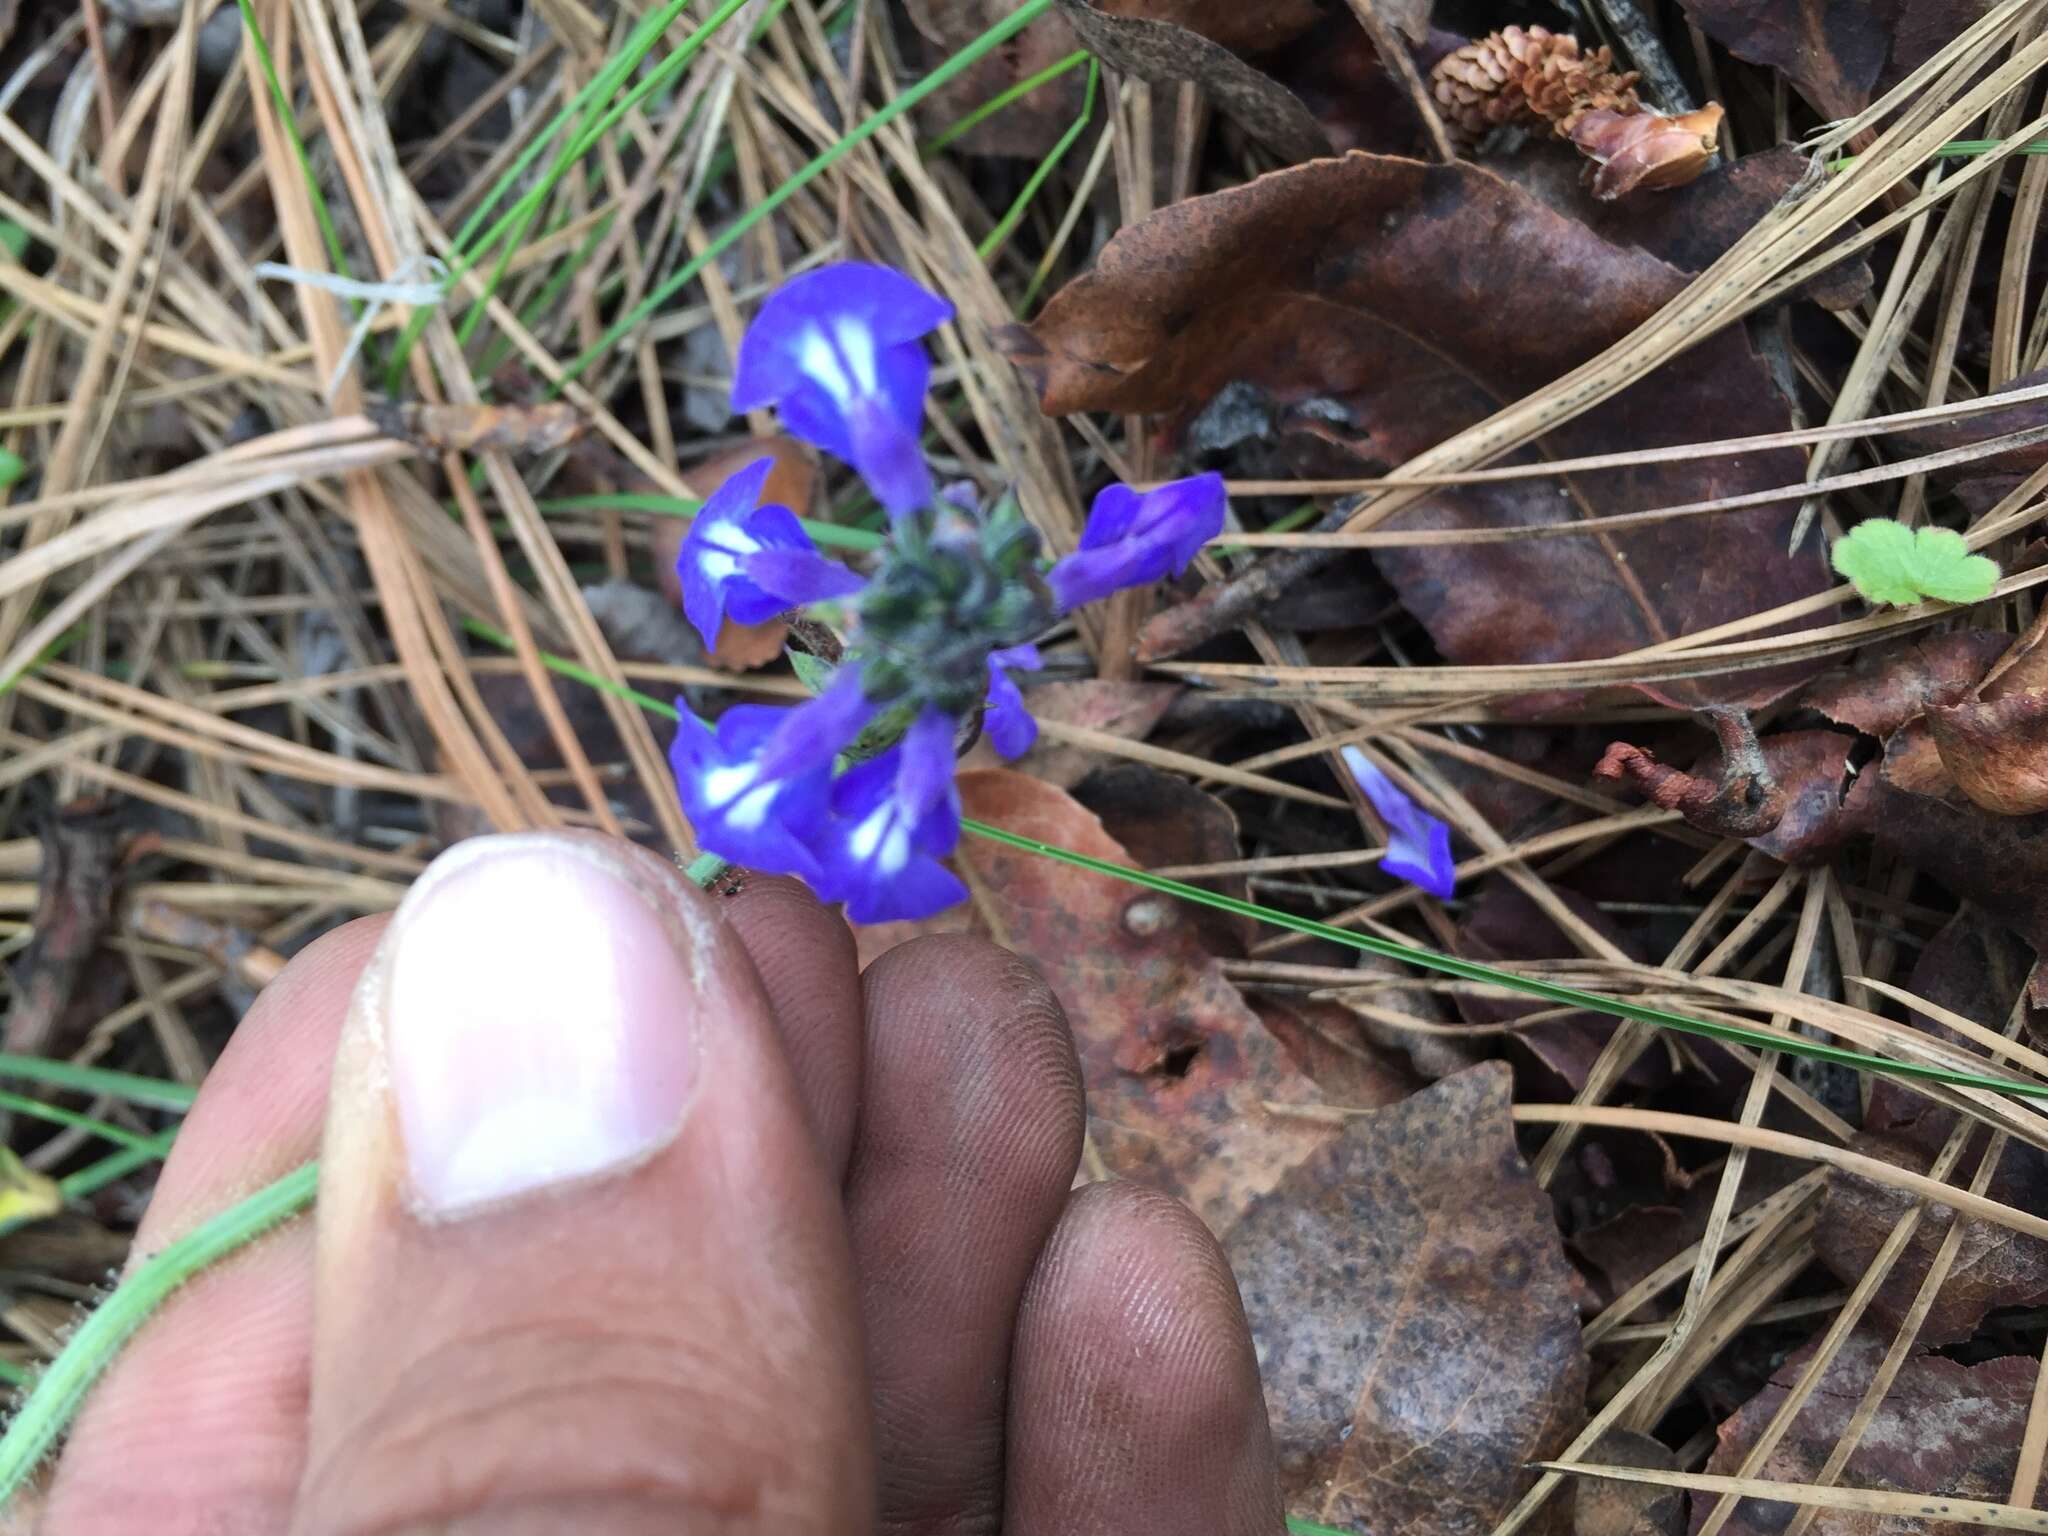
(151, 1092)
(1014, 215)
(1407, 954)
(826, 158)
(1002, 99)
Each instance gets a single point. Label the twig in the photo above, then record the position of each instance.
(1393, 52)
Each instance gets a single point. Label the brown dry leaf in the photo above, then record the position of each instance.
(1161, 819)
(1996, 750)
(1943, 1428)
(1838, 56)
(1605, 1507)
(1413, 1312)
(1647, 151)
(1893, 684)
(1994, 1266)
(1165, 54)
(1962, 431)
(1693, 226)
(1325, 1041)
(1379, 286)
(1237, 26)
(516, 429)
(55, 977)
(1178, 1069)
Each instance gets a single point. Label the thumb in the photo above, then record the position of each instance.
(578, 1265)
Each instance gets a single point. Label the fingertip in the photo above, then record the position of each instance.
(1136, 1400)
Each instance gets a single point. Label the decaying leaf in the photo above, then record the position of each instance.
(1890, 685)
(82, 846)
(1837, 56)
(1607, 1507)
(1178, 1069)
(1161, 819)
(1412, 1308)
(1647, 151)
(1324, 1040)
(1230, 23)
(524, 430)
(1943, 1428)
(1413, 301)
(1996, 749)
(1163, 53)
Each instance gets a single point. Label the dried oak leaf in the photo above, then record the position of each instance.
(1890, 685)
(1996, 750)
(1962, 431)
(1839, 57)
(1418, 300)
(1606, 1507)
(1801, 811)
(1161, 819)
(1994, 1266)
(1943, 1428)
(1231, 23)
(1178, 1069)
(1323, 1038)
(1164, 54)
(58, 982)
(1696, 224)
(1412, 1308)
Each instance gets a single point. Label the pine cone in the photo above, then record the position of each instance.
(1527, 74)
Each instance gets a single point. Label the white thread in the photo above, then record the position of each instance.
(397, 290)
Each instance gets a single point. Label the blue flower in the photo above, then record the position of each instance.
(893, 818)
(837, 351)
(1132, 539)
(816, 731)
(752, 562)
(1418, 845)
(1005, 720)
(737, 809)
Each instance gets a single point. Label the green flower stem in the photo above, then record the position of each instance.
(43, 1417)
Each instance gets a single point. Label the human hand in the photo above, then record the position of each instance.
(640, 1211)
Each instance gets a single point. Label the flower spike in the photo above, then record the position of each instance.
(838, 351)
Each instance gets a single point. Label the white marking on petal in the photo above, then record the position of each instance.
(895, 850)
(816, 357)
(857, 346)
(716, 564)
(725, 784)
(752, 808)
(868, 835)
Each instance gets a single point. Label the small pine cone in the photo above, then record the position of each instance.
(1526, 74)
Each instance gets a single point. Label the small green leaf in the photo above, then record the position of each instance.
(13, 239)
(12, 467)
(1891, 563)
(813, 672)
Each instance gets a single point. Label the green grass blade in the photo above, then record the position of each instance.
(289, 119)
(1014, 214)
(861, 132)
(151, 1092)
(1002, 99)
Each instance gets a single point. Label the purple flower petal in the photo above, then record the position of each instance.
(838, 351)
(737, 810)
(716, 563)
(1005, 720)
(818, 730)
(1131, 540)
(1418, 845)
(893, 818)
(796, 577)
